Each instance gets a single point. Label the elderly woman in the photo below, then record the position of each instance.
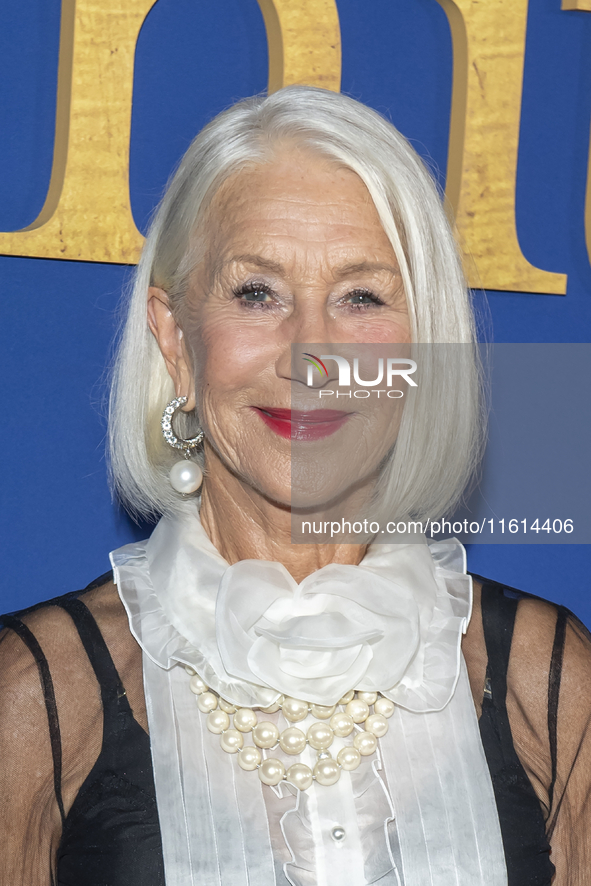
(342, 712)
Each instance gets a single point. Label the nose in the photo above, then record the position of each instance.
(306, 328)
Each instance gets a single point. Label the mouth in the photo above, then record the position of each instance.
(292, 424)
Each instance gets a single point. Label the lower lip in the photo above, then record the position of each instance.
(292, 426)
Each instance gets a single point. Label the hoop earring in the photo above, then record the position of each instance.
(185, 476)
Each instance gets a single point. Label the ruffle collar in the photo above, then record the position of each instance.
(394, 623)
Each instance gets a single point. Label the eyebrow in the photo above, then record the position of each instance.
(365, 267)
(253, 259)
(340, 272)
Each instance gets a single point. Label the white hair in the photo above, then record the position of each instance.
(440, 438)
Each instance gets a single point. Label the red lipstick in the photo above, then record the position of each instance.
(296, 425)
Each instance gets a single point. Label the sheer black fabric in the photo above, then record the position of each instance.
(111, 833)
(76, 785)
(115, 809)
(527, 850)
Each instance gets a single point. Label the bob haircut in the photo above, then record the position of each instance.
(440, 438)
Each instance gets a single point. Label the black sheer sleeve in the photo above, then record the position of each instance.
(548, 703)
(46, 739)
(51, 725)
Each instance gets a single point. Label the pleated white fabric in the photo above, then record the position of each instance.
(430, 759)
(421, 812)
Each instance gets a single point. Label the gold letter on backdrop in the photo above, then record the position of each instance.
(87, 214)
(489, 49)
(584, 6)
(304, 39)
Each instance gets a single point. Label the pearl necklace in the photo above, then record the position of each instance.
(320, 735)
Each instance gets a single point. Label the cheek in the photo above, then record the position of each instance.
(378, 331)
(230, 356)
(394, 332)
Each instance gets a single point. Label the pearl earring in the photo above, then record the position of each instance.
(185, 476)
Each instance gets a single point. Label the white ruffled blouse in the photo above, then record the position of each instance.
(420, 812)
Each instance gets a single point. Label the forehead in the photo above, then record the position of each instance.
(298, 195)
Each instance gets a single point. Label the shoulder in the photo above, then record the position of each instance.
(40, 647)
(542, 635)
(542, 648)
(45, 624)
(46, 645)
(46, 609)
(50, 690)
(545, 642)
(43, 635)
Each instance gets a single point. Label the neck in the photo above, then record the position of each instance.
(244, 525)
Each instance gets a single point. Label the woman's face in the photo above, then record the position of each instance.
(295, 253)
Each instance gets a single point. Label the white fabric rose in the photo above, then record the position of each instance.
(342, 627)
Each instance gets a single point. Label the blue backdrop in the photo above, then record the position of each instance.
(193, 59)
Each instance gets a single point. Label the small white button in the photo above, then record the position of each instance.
(338, 834)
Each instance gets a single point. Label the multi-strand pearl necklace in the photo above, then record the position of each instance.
(340, 720)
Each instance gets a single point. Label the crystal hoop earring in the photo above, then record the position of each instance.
(185, 476)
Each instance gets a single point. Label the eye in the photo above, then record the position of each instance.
(254, 293)
(362, 298)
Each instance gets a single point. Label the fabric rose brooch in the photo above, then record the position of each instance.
(342, 628)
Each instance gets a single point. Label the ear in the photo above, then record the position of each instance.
(170, 340)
